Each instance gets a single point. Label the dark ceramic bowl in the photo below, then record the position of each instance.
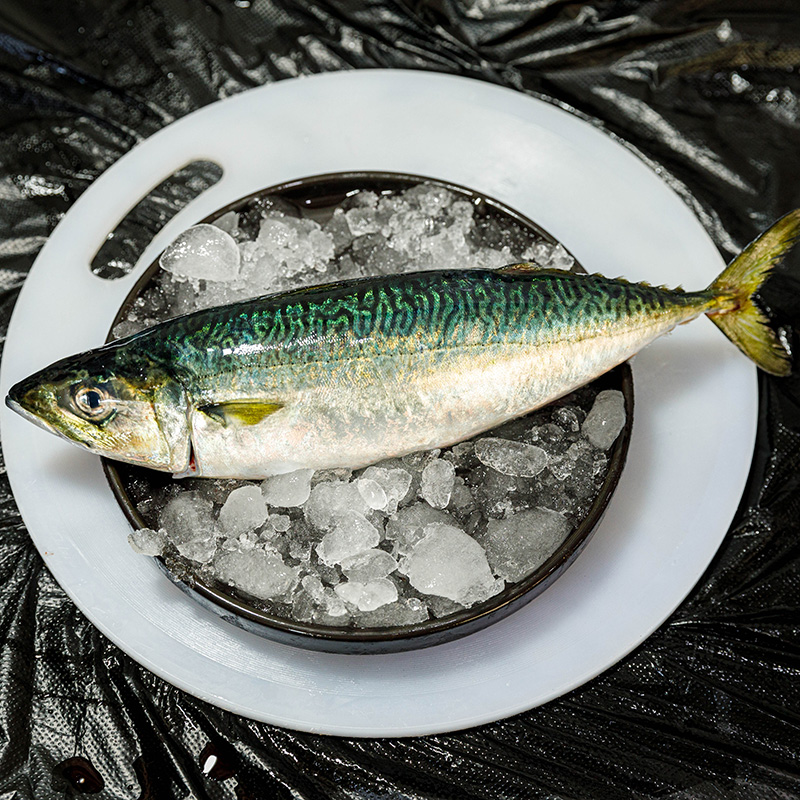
(314, 196)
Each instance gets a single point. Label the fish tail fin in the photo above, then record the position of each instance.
(735, 312)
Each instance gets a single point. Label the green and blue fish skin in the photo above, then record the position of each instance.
(388, 366)
(351, 373)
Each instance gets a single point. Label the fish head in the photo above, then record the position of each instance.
(113, 404)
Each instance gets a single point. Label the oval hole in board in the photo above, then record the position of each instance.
(122, 248)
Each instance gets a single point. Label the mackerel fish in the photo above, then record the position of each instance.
(348, 374)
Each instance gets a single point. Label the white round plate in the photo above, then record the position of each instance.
(690, 451)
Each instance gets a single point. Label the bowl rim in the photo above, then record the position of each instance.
(473, 617)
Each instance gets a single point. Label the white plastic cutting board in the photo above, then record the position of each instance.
(690, 452)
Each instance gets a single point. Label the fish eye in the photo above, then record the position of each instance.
(93, 402)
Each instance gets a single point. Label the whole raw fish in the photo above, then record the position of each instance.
(350, 373)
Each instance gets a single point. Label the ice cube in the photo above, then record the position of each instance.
(148, 542)
(405, 529)
(202, 252)
(461, 501)
(461, 454)
(320, 249)
(259, 573)
(442, 607)
(449, 563)
(372, 493)
(402, 612)
(491, 258)
(382, 259)
(288, 490)
(189, 525)
(279, 522)
(313, 585)
(606, 419)
(437, 482)
(540, 253)
(229, 223)
(302, 607)
(334, 605)
(568, 418)
(331, 500)
(362, 199)
(247, 541)
(339, 231)
(276, 234)
(244, 510)
(445, 250)
(511, 458)
(353, 534)
(126, 327)
(367, 596)
(551, 438)
(368, 565)
(577, 463)
(517, 545)
(290, 245)
(431, 200)
(560, 258)
(361, 221)
(394, 482)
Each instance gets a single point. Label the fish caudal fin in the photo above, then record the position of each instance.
(736, 314)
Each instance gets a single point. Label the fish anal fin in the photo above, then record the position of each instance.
(241, 412)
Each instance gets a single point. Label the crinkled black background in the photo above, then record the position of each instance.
(708, 707)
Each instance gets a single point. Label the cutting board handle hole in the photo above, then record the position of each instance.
(122, 248)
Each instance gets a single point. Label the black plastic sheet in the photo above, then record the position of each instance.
(707, 92)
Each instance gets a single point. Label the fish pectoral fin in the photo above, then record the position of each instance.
(240, 412)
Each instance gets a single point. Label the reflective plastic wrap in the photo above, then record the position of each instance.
(707, 93)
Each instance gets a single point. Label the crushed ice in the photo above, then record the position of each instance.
(410, 538)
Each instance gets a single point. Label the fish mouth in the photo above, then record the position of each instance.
(40, 422)
(20, 400)
(16, 405)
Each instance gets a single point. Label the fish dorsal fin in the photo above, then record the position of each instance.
(521, 268)
(240, 412)
(531, 268)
